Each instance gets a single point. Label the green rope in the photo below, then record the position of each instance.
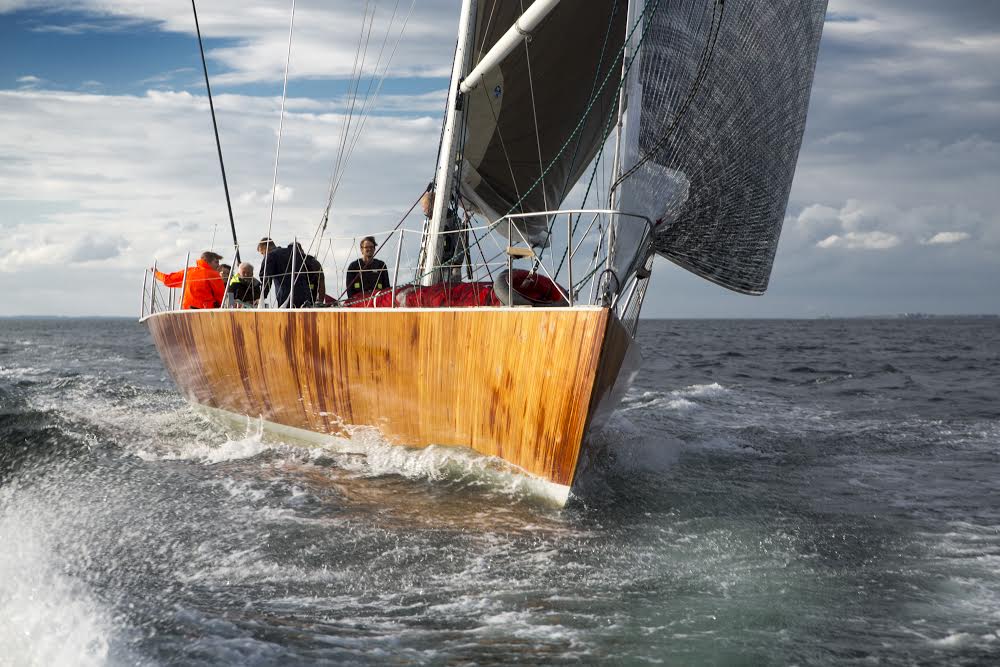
(586, 113)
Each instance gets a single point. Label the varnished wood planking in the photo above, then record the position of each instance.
(512, 383)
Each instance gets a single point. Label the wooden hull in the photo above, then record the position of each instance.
(520, 384)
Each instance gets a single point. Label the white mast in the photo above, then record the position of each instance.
(430, 272)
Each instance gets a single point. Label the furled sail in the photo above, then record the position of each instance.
(724, 89)
(516, 158)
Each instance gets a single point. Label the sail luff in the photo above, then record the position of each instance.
(725, 91)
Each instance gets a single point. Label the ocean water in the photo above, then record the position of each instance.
(769, 493)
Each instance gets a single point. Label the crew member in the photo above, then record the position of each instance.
(203, 287)
(366, 274)
(315, 275)
(285, 267)
(245, 289)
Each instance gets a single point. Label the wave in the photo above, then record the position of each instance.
(49, 617)
(698, 390)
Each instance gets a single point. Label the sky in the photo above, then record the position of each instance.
(108, 161)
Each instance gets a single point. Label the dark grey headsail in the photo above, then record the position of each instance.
(724, 90)
(521, 115)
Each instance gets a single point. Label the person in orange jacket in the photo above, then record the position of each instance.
(203, 288)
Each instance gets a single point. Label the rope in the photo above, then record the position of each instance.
(593, 91)
(608, 125)
(586, 112)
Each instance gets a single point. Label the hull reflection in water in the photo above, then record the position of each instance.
(519, 385)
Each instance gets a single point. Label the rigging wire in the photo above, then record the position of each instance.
(390, 233)
(647, 11)
(215, 127)
(593, 92)
(367, 106)
(534, 115)
(371, 98)
(354, 83)
(586, 112)
(703, 66)
(357, 74)
(281, 123)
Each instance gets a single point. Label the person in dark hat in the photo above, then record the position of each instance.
(366, 274)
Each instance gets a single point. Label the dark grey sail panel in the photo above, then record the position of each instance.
(571, 52)
(725, 89)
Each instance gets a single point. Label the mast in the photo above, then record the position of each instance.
(434, 240)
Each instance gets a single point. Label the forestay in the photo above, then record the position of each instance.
(724, 89)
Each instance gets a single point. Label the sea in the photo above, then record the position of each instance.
(769, 492)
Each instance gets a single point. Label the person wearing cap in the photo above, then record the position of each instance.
(366, 274)
(285, 268)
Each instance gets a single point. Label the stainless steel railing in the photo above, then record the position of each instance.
(574, 249)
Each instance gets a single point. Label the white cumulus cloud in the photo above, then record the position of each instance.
(946, 238)
(860, 240)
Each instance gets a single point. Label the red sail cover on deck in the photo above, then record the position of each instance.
(530, 289)
(442, 295)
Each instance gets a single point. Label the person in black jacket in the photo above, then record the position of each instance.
(245, 289)
(315, 276)
(285, 268)
(366, 274)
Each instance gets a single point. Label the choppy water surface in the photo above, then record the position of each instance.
(771, 493)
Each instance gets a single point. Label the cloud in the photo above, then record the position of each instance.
(94, 250)
(947, 238)
(862, 240)
(881, 225)
(282, 194)
(118, 180)
(25, 250)
(846, 138)
(29, 82)
(326, 35)
(164, 78)
(84, 27)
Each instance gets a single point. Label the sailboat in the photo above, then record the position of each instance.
(512, 331)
